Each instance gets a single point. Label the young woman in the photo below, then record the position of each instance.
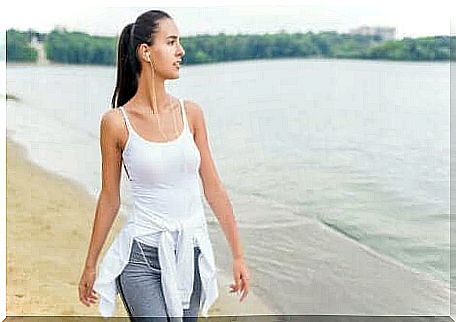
(161, 262)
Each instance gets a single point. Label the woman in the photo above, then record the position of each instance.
(161, 262)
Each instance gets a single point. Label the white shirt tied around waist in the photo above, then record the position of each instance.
(177, 268)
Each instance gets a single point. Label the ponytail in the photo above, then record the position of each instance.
(127, 83)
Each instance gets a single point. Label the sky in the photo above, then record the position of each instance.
(410, 19)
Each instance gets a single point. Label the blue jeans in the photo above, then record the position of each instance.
(139, 286)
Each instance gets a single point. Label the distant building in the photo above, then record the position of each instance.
(34, 41)
(36, 37)
(385, 33)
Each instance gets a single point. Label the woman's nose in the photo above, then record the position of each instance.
(181, 51)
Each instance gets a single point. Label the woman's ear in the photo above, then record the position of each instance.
(145, 52)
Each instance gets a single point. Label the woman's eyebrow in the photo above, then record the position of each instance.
(172, 36)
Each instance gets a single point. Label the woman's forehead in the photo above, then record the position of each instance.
(167, 28)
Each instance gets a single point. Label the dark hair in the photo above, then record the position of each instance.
(128, 65)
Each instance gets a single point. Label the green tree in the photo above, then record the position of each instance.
(18, 47)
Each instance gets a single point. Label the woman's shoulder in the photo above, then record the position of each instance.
(194, 112)
(112, 122)
(190, 105)
(112, 117)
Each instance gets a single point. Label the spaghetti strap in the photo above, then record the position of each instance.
(127, 121)
(184, 114)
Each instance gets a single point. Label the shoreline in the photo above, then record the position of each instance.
(49, 224)
(47, 240)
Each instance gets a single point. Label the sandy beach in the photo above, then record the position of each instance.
(49, 220)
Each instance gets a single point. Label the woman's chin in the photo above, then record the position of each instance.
(175, 75)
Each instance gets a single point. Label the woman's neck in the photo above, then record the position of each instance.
(144, 98)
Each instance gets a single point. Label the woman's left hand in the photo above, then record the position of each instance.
(241, 278)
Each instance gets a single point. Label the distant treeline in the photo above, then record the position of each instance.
(62, 46)
(18, 47)
(80, 48)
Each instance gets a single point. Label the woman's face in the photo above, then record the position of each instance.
(166, 50)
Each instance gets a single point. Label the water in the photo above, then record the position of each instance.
(359, 146)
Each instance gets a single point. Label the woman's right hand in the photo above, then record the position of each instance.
(86, 293)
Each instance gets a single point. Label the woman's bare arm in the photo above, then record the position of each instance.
(109, 198)
(214, 191)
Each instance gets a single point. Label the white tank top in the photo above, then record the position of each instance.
(167, 213)
(162, 174)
